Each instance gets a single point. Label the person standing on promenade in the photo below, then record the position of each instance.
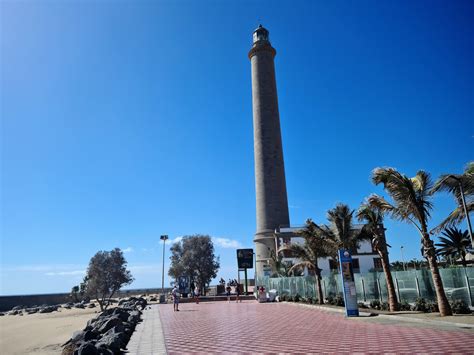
(237, 291)
(196, 294)
(175, 294)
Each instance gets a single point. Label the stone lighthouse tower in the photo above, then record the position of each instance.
(272, 202)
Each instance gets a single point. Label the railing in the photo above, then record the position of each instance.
(458, 284)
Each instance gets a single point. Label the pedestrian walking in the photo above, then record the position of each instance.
(175, 294)
(228, 289)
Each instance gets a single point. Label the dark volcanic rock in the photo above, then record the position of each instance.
(109, 332)
(112, 340)
(109, 324)
(87, 349)
(48, 309)
(32, 310)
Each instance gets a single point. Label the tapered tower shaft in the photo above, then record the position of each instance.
(271, 196)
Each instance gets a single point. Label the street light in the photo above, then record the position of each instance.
(461, 190)
(403, 259)
(164, 238)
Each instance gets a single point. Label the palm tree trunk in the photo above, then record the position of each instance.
(443, 303)
(320, 289)
(392, 295)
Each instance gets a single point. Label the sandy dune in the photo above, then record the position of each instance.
(41, 333)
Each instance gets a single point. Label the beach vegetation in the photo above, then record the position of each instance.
(193, 256)
(106, 274)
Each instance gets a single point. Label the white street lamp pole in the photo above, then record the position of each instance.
(163, 238)
(403, 259)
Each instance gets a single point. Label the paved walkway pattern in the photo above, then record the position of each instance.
(253, 328)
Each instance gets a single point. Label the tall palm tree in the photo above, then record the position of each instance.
(374, 228)
(412, 204)
(461, 186)
(315, 247)
(454, 244)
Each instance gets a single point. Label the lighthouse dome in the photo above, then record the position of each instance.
(261, 34)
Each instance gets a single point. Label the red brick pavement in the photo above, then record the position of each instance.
(250, 328)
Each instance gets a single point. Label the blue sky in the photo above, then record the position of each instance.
(125, 120)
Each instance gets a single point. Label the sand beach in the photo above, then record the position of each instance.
(41, 333)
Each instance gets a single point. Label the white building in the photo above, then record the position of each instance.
(364, 259)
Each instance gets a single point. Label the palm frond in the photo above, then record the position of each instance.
(302, 265)
(454, 218)
(454, 243)
(411, 196)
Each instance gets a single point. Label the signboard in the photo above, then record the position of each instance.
(348, 284)
(245, 258)
(183, 285)
(267, 270)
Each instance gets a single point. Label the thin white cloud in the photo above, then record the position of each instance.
(175, 240)
(66, 273)
(42, 268)
(128, 250)
(294, 206)
(226, 243)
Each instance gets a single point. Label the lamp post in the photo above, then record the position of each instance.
(164, 238)
(403, 259)
(461, 190)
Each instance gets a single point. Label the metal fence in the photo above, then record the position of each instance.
(409, 285)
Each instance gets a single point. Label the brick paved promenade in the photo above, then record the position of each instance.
(250, 328)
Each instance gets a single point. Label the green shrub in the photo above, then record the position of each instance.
(433, 306)
(283, 298)
(297, 298)
(384, 306)
(460, 307)
(290, 299)
(330, 300)
(421, 305)
(362, 305)
(309, 300)
(339, 301)
(404, 306)
(375, 304)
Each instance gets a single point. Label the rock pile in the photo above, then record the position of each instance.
(44, 308)
(109, 332)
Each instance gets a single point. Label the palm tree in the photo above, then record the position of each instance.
(282, 267)
(417, 264)
(412, 204)
(454, 244)
(397, 266)
(314, 248)
(341, 234)
(462, 188)
(374, 228)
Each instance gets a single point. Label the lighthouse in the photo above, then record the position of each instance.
(270, 183)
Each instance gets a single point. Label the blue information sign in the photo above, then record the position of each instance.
(348, 283)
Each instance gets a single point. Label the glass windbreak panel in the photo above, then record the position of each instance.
(455, 283)
(382, 286)
(372, 286)
(358, 280)
(406, 285)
